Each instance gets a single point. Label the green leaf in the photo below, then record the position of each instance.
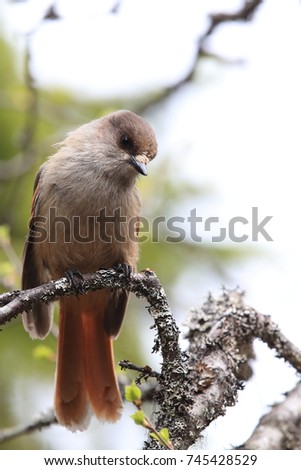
(163, 433)
(44, 352)
(154, 436)
(139, 418)
(132, 393)
(4, 234)
(6, 268)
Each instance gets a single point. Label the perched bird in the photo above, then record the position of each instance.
(84, 204)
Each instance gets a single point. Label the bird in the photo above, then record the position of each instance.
(85, 210)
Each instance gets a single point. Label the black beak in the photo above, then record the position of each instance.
(140, 167)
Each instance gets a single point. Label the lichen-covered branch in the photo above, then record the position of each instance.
(218, 334)
(144, 284)
(144, 371)
(195, 387)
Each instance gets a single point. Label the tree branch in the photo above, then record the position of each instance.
(47, 418)
(281, 427)
(21, 163)
(43, 421)
(245, 13)
(145, 371)
(144, 284)
(218, 334)
(195, 387)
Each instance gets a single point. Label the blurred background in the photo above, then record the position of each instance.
(225, 107)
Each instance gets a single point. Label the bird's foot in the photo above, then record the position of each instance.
(125, 269)
(75, 278)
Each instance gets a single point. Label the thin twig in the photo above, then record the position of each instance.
(243, 14)
(145, 371)
(43, 421)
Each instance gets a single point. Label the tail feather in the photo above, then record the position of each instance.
(101, 382)
(85, 364)
(71, 401)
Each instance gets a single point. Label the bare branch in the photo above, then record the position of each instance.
(47, 418)
(116, 7)
(22, 162)
(243, 14)
(51, 13)
(280, 429)
(44, 421)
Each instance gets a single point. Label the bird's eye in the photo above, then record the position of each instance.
(126, 142)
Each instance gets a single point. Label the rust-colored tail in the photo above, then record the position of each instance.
(85, 365)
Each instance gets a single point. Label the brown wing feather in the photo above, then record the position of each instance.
(38, 321)
(117, 304)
